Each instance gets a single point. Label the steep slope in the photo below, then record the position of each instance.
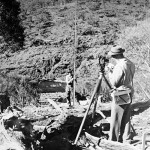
(50, 35)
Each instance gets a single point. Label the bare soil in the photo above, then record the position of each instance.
(62, 128)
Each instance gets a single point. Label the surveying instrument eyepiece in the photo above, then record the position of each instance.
(103, 60)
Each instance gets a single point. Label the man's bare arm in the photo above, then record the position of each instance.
(70, 80)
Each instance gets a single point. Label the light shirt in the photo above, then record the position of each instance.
(122, 74)
(69, 79)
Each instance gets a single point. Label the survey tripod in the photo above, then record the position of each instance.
(102, 62)
(115, 92)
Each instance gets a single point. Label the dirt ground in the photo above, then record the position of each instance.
(63, 126)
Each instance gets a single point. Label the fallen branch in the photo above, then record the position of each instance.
(109, 145)
(55, 105)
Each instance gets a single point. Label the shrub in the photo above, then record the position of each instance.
(18, 89)
(136, 41)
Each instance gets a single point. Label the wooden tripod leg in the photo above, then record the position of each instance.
(107, 81)
(95, 91)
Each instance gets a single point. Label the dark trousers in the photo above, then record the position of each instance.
(69, 93)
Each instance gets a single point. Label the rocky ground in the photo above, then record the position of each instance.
(65, 124)
(141, 124)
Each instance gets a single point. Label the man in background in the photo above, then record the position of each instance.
(69, 86)
(121, 77)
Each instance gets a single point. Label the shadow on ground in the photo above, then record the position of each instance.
(139, 107)
(63, 137)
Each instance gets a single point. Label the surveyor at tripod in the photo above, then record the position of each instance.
(69, 86)
(121, 79)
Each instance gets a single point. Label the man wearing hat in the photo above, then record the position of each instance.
(121, 77)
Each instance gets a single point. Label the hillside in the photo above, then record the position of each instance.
(49, 30)
(42, 47)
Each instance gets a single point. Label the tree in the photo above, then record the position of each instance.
(10, 23)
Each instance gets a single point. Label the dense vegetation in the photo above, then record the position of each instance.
(11, 30)
(49, 37)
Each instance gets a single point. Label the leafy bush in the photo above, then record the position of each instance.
(18, 89)
(136, 42)
(50, 31)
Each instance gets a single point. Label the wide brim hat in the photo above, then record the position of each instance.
(116, 50)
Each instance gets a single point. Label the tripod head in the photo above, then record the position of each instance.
(103, 60)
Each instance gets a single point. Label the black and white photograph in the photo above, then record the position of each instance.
(74, 74)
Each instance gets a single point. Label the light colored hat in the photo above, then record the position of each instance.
(115, 50)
